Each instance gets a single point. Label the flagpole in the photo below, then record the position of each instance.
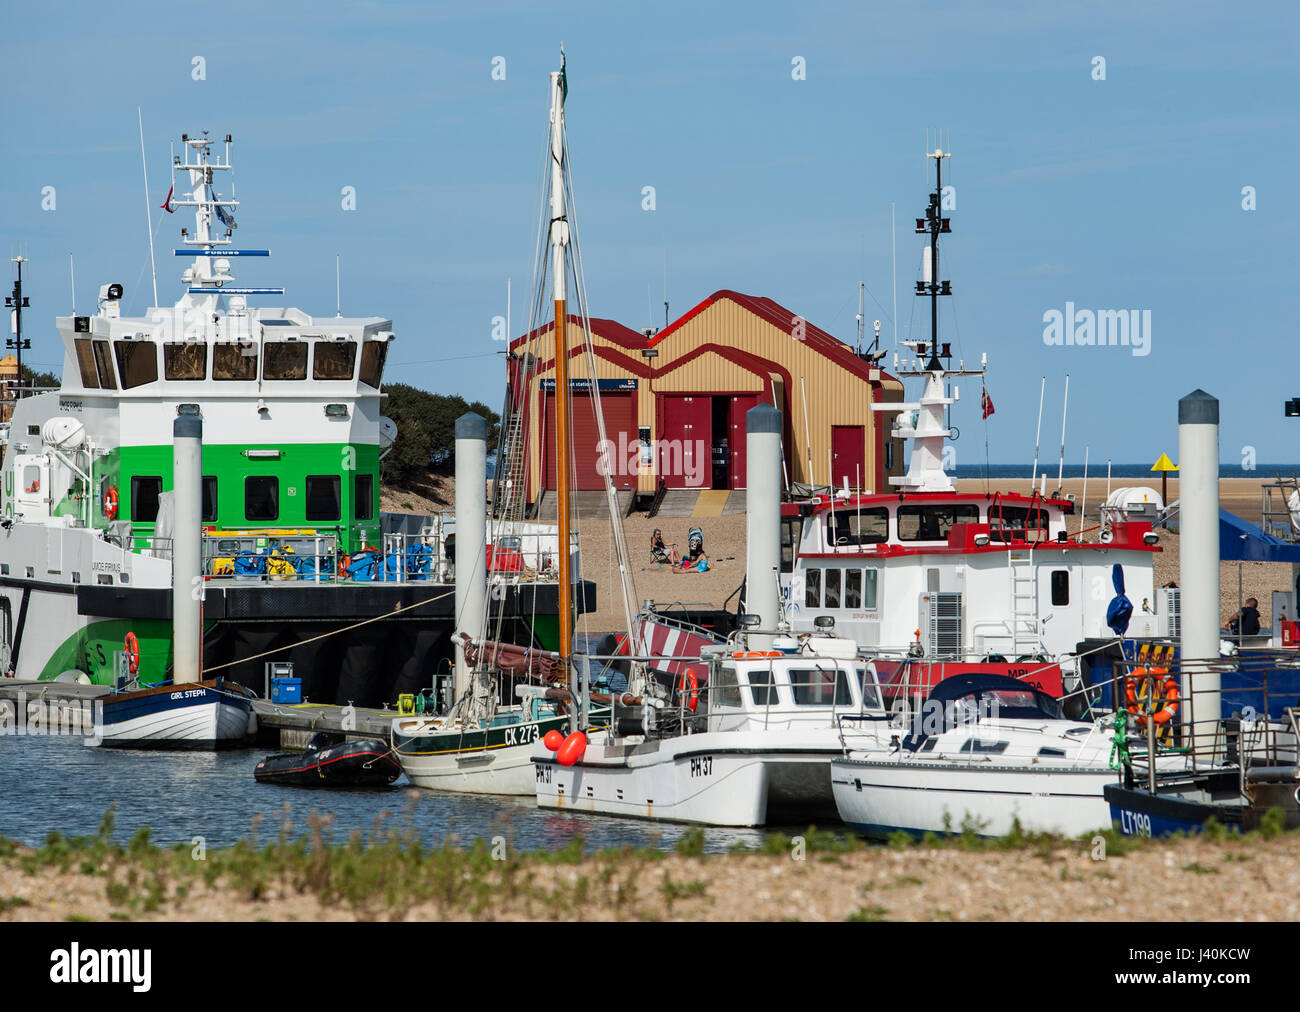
(984, 402)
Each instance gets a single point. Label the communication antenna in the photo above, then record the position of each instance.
(72, 274)
(338, 288)
(148, 214)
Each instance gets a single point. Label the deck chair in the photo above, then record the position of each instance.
(658, 555)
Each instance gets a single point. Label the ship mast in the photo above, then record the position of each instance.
(559, 232)
(18, 302)
(925, 471)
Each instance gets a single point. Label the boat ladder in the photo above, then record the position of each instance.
(1023, 576)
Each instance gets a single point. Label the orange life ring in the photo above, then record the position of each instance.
(1135, 697)
(690, 687)
(131, 646)
(110, 503)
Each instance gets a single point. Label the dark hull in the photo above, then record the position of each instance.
(365, 762)
(1136, 812)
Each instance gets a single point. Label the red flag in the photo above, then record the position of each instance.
(166, 205)
(986, 404)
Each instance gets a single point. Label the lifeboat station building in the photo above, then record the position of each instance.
(674, 402)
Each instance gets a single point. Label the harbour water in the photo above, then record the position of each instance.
(58, 784)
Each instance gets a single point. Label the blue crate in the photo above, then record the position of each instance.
(286, 690)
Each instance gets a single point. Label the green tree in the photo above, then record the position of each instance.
(39, 379)
(427, 422)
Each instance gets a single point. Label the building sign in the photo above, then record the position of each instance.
(584, 384)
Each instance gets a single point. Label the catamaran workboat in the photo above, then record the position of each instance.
(749, 742)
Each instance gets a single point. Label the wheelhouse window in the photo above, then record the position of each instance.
(137, 362)
(859, 527)
(284, 360)
(86, 363)
(209, 499)
(853, 588)
(334, 360)
(1009, 523)
(932, 522)
(144, 498)
(104, 365)
(762, 687)
(185, 361)
(869, 578)
(870, 689)
(1060, 588)
(791, 528)
(363, 496)
(832, 599)
(820, 687)
(262, 498)
(32, 479)
(373, 354)
(725, 690)
(234, 361)
(323, 501)
(812, 588)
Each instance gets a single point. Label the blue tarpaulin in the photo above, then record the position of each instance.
(1121, 608)
(1242, 541)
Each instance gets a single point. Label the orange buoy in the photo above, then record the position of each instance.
(572, 749)
(553, 740)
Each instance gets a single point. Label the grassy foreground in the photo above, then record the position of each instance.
(391, 874)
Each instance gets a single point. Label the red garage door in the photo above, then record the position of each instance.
(686, 449)
(740, 404)
(620, 429)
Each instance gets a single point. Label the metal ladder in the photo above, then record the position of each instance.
(514, 460)
(1023, 576)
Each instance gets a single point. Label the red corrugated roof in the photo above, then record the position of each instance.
(785, 321)
(610, 330)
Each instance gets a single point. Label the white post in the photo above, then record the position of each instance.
(763, 525)
(187, 548)
(1198, 564)
(471, 536)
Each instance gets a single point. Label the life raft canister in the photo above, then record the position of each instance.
(689, 687)
(131, 647)
(110, 502)
(1140, 694)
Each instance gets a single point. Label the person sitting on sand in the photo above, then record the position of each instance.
(660, 552)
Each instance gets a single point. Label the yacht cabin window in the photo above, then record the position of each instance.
(137, 362)
(185, 360)
(858, 526)
(284, 360)
(333, 360)
(932, 522)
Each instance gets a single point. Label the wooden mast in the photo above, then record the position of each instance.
(559, 240)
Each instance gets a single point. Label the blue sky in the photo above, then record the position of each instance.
(1123, 193)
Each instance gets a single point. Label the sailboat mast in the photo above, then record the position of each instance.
(560, 240)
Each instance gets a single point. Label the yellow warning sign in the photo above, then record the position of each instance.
(1164, 464)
